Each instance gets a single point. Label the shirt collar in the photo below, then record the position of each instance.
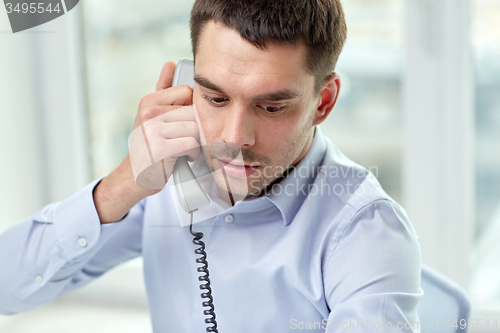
(289, 193)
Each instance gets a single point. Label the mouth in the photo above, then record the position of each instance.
(239, 164)
(237, 169)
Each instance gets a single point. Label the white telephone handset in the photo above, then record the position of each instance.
(191, 195)
(192, 198)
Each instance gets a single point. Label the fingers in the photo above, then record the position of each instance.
(166, 76)
(178, 129)
(162, 139)
(157, 114)
(185, 146)
(158, 134)
(179, 95)
(152, 157)
(169, 150)
(170, 125)
(165, 128)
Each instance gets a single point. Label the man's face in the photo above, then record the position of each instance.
(261, 101)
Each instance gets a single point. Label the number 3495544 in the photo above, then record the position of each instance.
(32, 7)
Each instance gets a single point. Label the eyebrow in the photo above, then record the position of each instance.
(272, 97)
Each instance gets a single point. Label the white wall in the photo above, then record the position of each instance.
(22, 167)
(43, 142)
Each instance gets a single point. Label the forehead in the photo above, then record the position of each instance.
(226, 59)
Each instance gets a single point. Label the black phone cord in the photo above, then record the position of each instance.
(204, 278)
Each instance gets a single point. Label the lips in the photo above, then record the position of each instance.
(233, 163)
(236, 170)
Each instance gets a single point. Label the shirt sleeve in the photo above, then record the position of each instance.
(61, 248)
(372, 277)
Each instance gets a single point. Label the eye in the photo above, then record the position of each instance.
(271, 108)
(215, 100)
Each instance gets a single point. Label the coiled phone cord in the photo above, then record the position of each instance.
(204, 286)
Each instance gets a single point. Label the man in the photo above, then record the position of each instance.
(313, 242)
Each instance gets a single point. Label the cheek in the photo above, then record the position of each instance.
(290, 127)
(291, 134)
(276, 137)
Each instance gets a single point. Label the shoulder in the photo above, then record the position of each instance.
(377, 251)
(370, 234)
(353, 188)
(341, 188)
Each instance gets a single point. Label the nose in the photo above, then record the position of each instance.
(240, 125)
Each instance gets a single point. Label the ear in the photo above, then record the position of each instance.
(327, 98)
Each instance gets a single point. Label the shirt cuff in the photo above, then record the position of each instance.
(77, 223)
(79, 234)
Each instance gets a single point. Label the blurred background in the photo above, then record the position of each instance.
(419, 106)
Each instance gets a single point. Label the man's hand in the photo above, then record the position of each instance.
(164, 129)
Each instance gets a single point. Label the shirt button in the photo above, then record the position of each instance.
(39, 279)
(229, 218)
(82, 241)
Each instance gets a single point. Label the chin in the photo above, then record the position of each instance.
(235, 186)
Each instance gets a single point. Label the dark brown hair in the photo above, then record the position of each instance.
(320, 24)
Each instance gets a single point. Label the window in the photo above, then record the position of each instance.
(366, 122)
(127, 43)
(486, 43)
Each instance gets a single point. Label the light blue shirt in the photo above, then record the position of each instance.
(330, 251)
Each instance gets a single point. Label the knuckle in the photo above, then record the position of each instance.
(192, 142)
(146, 100)
(185, 89)
(148, 113)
